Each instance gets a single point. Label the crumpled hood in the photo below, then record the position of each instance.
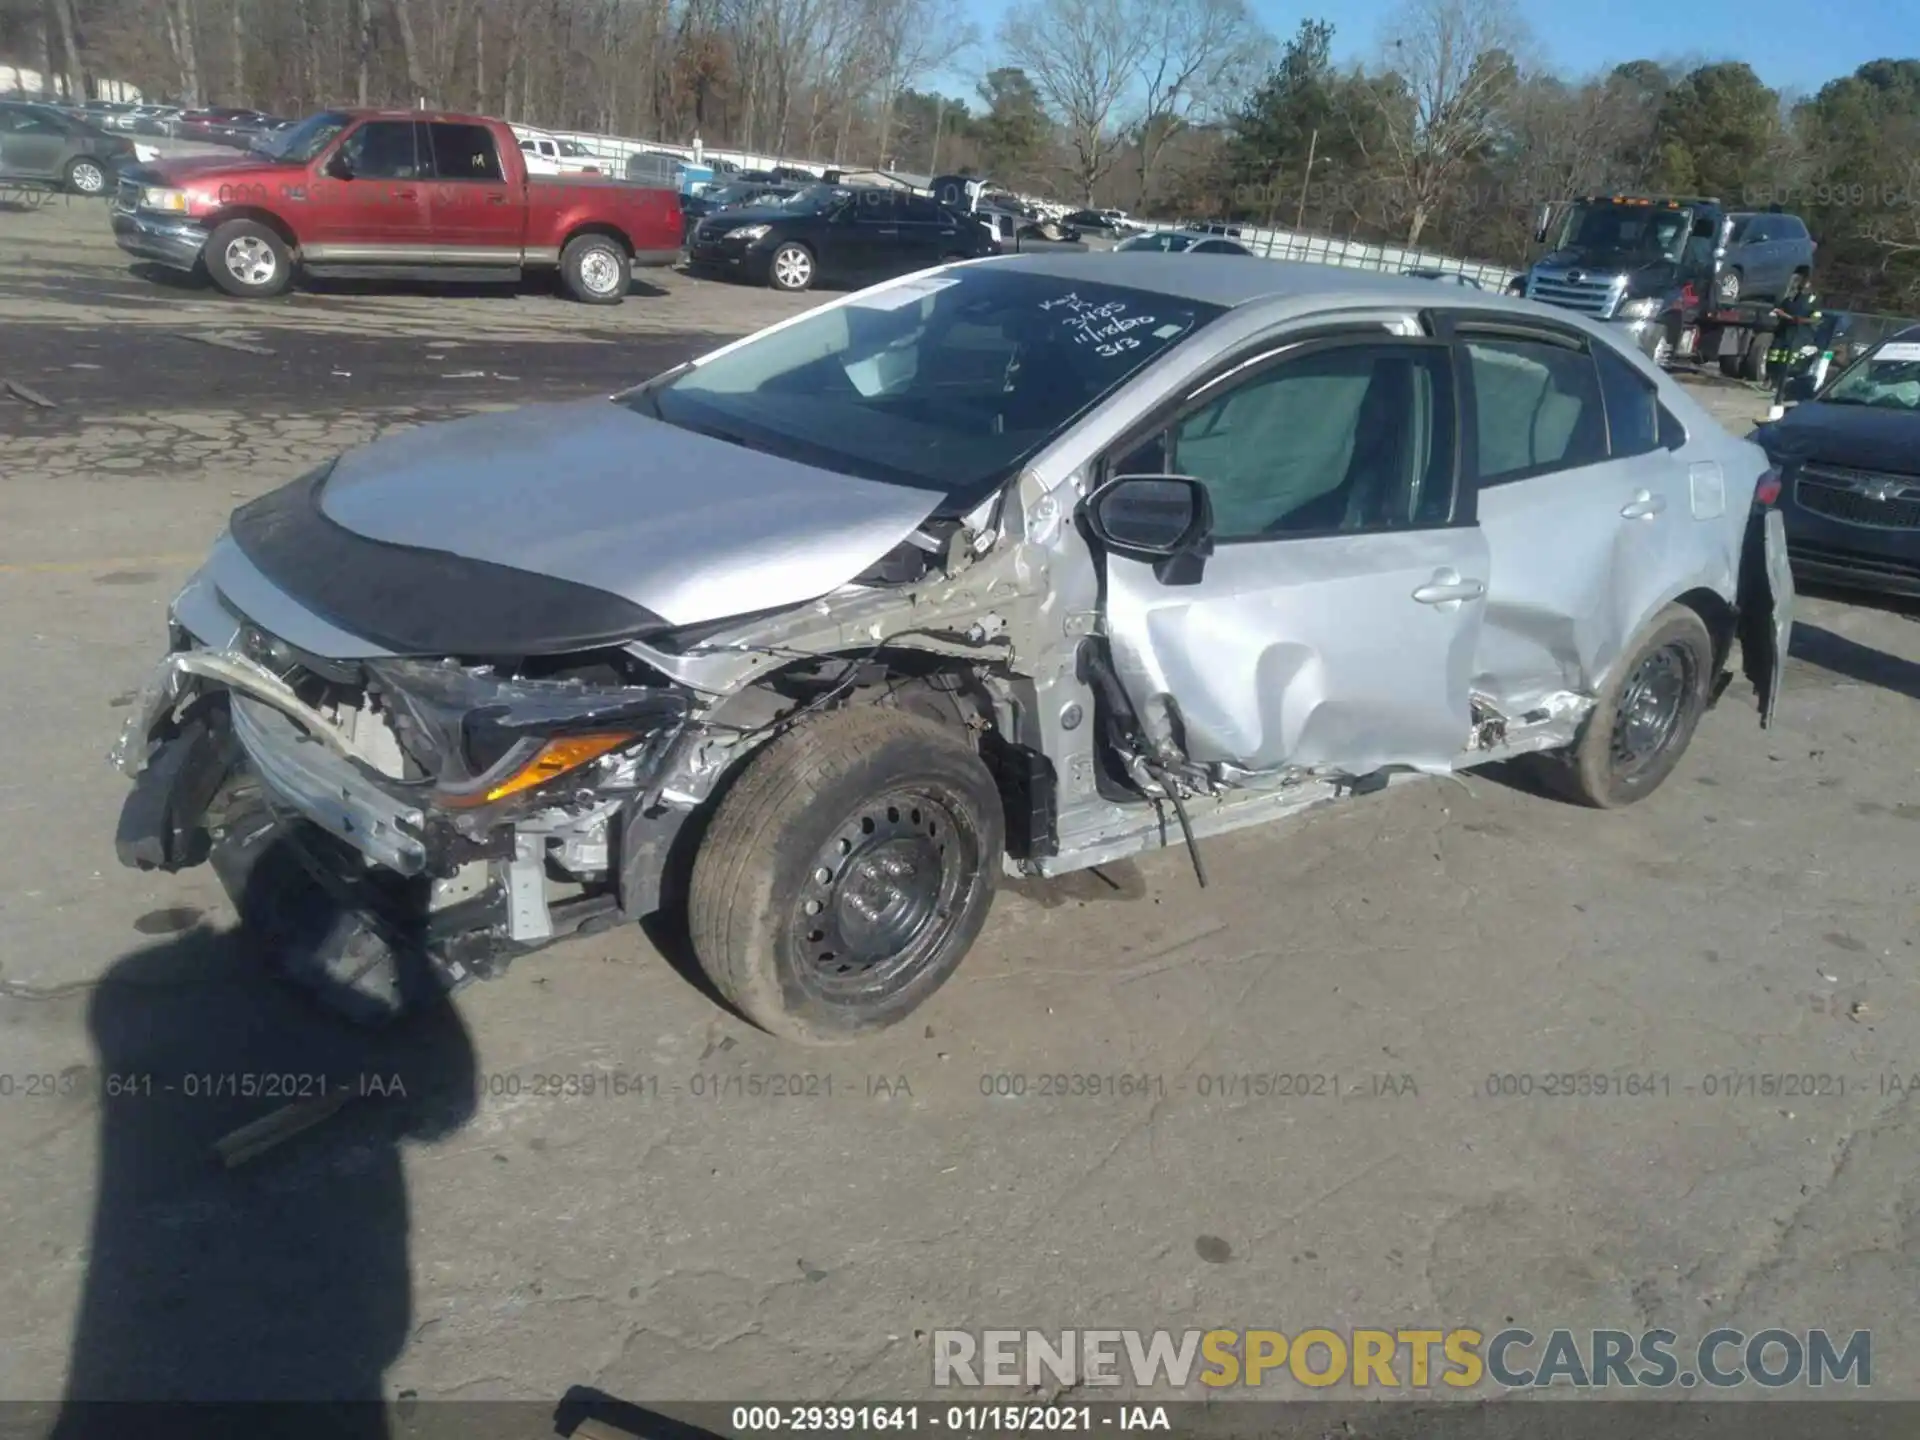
(686, 527)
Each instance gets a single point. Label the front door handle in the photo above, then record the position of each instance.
(1447, 589)
(406, 194)
(1644, 506)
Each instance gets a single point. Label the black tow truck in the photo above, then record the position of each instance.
(1651, 264)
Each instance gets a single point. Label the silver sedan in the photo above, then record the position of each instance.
(1014, 566)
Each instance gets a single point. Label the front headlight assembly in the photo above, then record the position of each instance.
(1642, 308)
(164, 200)
(488, 739)
(746, 234)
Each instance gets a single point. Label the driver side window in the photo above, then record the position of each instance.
(1345, 439)
(384, 150)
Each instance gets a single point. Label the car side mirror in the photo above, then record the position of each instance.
(1542, 223)
(338, 166)
(1166, 519)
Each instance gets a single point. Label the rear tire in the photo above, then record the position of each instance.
(86, 176)
(247, 259)
(1644, 717)
(1753, 359)
(846, 874)
(596, 270)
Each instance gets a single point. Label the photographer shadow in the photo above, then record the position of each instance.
(281, 1278)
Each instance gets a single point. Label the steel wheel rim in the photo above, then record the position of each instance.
(792, 268)
(88, 178)
(600, 271)
(250, 260)
(882, 896)
(1648, 713)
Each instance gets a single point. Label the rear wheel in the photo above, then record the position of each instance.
(595, 270)
(86, 176)
(846, 874)
(791, 268)
(1728, 287)
(245, 258)
(1644, 717)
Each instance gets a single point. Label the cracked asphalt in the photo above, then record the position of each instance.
(697, 1229)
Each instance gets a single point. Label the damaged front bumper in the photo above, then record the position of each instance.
(230, 760)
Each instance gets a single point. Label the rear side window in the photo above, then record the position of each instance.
(1536, 407)
(920, 210)
(1633, 406)
(1791, 227)
(463, 152)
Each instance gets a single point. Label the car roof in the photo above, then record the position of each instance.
(1220, 280)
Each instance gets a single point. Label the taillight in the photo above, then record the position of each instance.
(1767, 492)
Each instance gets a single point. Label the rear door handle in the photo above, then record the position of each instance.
(1644, 506)
(406, 194)
(1448, 589)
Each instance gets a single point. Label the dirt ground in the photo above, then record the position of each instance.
(497, 1233)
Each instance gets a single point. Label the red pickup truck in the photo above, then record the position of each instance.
(398, 194)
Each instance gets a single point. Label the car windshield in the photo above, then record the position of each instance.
(1626, 230)
(302, 142)
(818, 199)
(723, 195)
(1887, 379)
(941, 382)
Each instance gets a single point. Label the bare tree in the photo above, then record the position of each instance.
(75, 67)
(1083, 56)
(1198, 55)
(178, 15)
(1456, 60)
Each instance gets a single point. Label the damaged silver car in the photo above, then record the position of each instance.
(1016, 566)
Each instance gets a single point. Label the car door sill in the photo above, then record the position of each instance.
(1099, 832)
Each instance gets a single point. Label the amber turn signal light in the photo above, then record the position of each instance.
(553, 759)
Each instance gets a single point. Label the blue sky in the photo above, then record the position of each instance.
(1790, 45)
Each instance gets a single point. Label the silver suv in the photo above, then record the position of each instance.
(1010, 567)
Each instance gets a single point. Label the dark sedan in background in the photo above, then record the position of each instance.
(696, 208)
(1849, 462)
(846, 234)
(42, 143)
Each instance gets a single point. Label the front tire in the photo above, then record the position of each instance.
(86, 176)
(791, 268)
(247, 259)
(1644, 717)
(596, 270)
(846, 874)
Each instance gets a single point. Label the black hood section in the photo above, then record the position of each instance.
(421, 602)
(1854, 436)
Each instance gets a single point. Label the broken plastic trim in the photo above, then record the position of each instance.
(482, 730)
